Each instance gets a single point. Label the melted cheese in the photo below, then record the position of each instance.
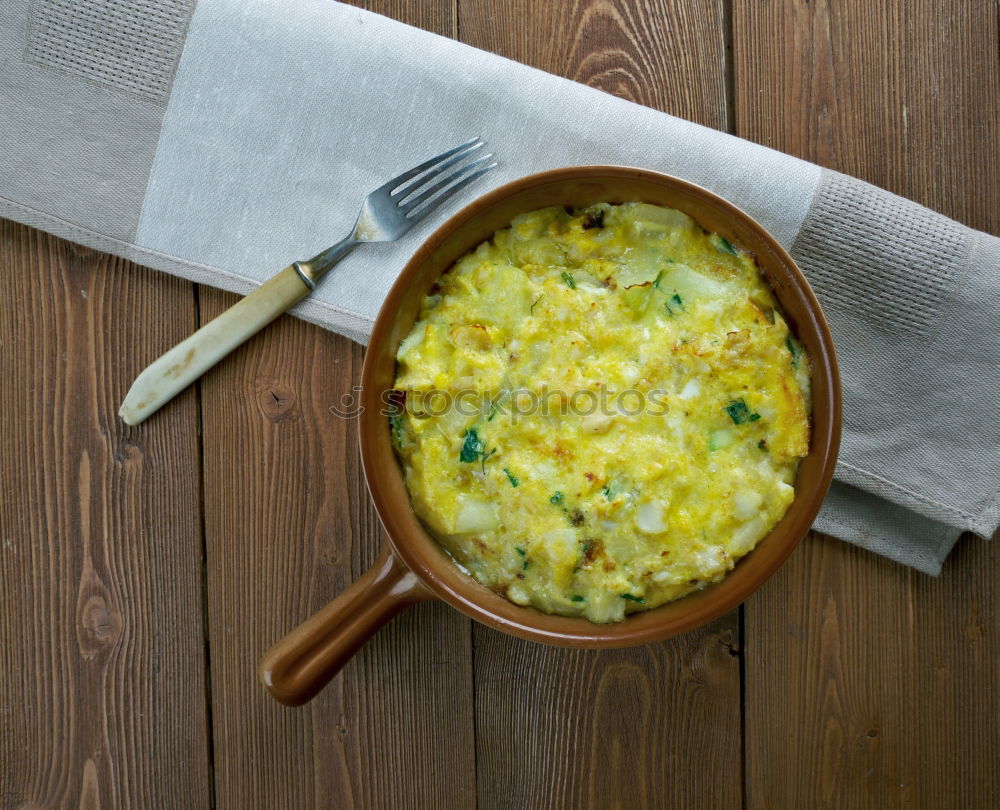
(604, 410)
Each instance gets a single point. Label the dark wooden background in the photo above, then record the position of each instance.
(146, 569)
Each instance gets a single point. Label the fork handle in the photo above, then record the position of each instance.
(165, 377)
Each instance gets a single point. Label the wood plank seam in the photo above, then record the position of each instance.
(206, 639)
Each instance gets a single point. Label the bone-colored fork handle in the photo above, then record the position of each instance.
(188, 360)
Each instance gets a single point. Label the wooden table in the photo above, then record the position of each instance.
(146, 569)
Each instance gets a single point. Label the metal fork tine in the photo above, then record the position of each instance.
(427, 193)
(401, 195)
(419, 210)
(396, 182)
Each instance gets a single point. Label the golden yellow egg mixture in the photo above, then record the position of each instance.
(604, 409)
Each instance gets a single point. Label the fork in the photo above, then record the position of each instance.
(386, 214)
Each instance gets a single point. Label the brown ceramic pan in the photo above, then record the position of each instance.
(412, 567)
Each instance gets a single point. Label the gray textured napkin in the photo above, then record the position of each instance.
(222, 141)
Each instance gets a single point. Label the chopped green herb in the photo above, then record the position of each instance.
(486, 457)
(495, 409)
(513, 481)
(740, 413)
(568, 279)
(558, 500)
(793, 351)
(472, 447)
(521, 552)
(577, 598)
(676, 300)
(532, 310)
(610, 491)
(396, 426)
(632, 598)
(726, 246)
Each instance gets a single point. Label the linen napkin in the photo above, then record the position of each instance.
(220, 141)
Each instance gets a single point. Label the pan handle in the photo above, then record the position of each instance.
(296, 668)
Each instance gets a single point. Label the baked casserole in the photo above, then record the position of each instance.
(599, 411)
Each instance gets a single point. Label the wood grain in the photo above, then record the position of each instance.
(887, 690)
(866, 685)
(653, 726)
(437, 16)
(100, 609)
(288, 526)
(886, 695)
(902, 94)
(667, 55)
(645, 727)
